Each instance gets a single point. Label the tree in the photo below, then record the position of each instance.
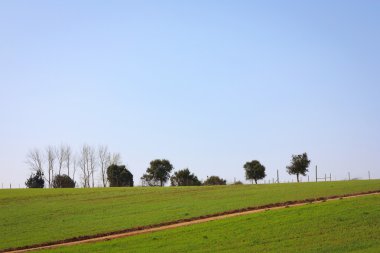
(215, 180)
(118, 175)
(184, 178)
(159, 171)
(63, 181)
(60, 154)
(104, 160)
(254, 171)
(83, 163)
(87, 164)
(92, 164)
(74, 163)
(68, 157)
(299, 165)
(36, 180)
(50, 155)
(35, 160)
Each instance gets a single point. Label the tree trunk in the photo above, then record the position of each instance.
(162, 183)
(255, 181)
(298, 180)
(68, 166)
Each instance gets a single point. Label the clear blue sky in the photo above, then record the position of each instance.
(208, 85)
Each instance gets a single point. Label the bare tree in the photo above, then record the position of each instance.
(92, 164)
(50, 156)
(87, 164)
(61, 157)
(74, 163)
(83, 163)
(35, 160)
(68, 156)
(104, 162)
(115, 159)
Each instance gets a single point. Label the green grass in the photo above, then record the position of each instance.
(32, 216)
(348, 225)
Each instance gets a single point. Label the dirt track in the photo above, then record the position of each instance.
(178, 223)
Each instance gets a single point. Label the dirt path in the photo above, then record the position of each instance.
(180, 223)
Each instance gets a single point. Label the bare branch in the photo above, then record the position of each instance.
(104, 158)
(83, 165)
(50, 155)
(116, 159)
(34, 159)
(92, 164)
(61, 157)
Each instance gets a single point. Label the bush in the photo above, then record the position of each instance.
(63, 181)
(215, 180)
(36, 180)
(118, 176)
(184, 178)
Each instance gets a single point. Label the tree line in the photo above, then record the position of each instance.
(255, 171)
(60, 163)
(60, 160)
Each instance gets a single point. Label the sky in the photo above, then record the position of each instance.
(208, 85)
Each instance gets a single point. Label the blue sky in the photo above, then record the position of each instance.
(208, 85)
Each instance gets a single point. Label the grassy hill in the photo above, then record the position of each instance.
(30, 216)
(348, 225)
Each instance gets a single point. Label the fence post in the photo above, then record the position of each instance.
(316, 173)
(278, 179)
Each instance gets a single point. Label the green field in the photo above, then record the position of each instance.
(348, 225)
(32, 216)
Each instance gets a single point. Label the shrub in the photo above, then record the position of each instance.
(63, 181)
(36, 180)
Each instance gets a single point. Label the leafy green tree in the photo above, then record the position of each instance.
(63, 181)
(118, 175)
(184, 178)
(254, 171)
(299, 165)
(36, 180)
(158, 172)
(215, 180)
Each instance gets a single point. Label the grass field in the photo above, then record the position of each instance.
(348, 225)
(32, 216)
